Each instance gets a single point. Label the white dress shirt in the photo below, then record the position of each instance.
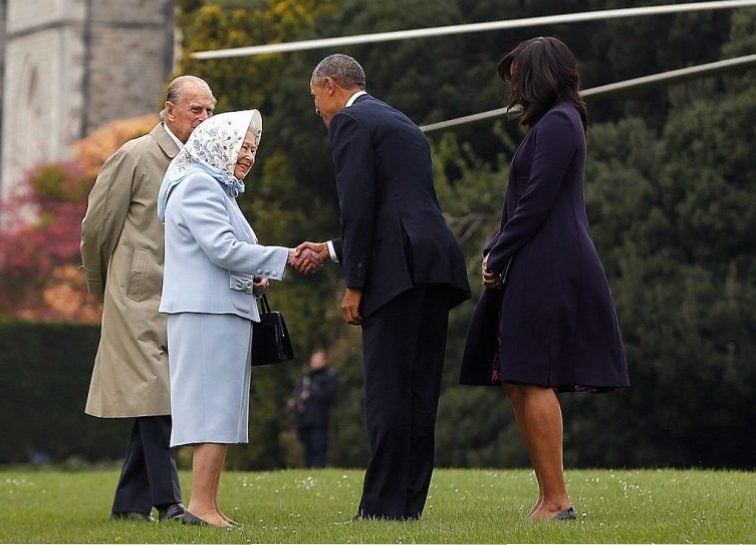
(179, 143)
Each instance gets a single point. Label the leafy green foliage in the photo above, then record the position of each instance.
(669, 192)
(673, 216)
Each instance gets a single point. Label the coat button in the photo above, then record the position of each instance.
(259, 271)
(274, 274)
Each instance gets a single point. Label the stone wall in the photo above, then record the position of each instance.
(3, 4)
(42, 84)
(131, 58)
(71, 66)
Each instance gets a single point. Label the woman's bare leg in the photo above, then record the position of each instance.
(539, 417)
(518, 406)
(207, 464)
(217, 487)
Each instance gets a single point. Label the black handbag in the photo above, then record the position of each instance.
(270, 337)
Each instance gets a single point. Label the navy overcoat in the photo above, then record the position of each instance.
(554, 323)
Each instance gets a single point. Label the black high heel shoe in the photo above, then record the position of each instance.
(188, 518)
(194, 520)
(567, 514)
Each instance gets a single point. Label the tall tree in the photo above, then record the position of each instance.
(662, 183)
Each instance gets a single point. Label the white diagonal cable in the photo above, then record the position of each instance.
(635, 83)
(473, 27)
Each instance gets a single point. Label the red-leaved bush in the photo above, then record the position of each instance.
(40, 226)
(40, 229)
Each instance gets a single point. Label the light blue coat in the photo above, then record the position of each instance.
(211, 252)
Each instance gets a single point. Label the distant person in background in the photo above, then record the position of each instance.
(311, 405)
(122, 257)
(546, 321)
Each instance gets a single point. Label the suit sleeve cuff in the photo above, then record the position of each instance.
(332, 251)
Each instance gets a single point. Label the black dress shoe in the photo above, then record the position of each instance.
(131, 515)
(567, 514)
(173, 511)
(361, 516)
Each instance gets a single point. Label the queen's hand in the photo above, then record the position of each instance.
(260, 285)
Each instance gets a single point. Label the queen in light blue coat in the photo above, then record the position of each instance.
(214, 268)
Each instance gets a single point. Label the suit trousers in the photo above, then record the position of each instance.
(404, 344)
(149, 476)
(314, 439)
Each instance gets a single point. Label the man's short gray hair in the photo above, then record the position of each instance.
(343, 69)
(177, 87)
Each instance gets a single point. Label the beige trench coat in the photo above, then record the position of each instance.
(122, 255)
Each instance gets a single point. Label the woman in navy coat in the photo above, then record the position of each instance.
(546, 321)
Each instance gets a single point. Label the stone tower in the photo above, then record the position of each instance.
(3, 8)
(70, 66)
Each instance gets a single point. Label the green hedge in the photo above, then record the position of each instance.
(44, 372)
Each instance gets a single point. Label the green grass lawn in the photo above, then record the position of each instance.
(465, 506)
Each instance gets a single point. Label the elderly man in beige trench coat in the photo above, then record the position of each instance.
(122, 255)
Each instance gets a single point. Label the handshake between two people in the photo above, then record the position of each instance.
(308, 257)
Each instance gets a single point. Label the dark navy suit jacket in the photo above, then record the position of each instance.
(393, 234)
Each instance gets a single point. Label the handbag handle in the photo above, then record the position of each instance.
(265, 305)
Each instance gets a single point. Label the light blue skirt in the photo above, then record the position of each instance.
(209, 356)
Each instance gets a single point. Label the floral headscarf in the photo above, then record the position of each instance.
(212, 148)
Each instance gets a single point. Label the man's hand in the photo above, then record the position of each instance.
(304, 260)
(350, 306)
(309, 257)
(319, 248)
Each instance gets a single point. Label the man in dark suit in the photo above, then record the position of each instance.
(404, 272)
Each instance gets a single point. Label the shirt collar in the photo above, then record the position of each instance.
(179, 143)
(354, 97)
